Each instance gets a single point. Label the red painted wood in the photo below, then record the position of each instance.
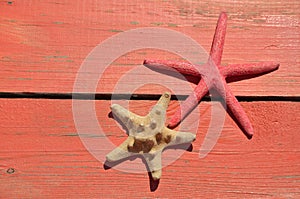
(43, 43)
(40, 142)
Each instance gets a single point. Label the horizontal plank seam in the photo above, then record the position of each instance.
(124, 96)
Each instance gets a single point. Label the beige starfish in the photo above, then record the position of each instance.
(148, 135)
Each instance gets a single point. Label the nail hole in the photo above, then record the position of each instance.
(10, 171)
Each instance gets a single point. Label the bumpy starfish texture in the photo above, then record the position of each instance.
(148, 135)
(214, 76)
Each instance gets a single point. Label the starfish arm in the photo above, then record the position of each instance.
(177, 137)
(154, 164)
(218, 41)
(237, 113)
(181, 67)
(189, 104)
(164, 100)
(125, 116)
(236, 70)
(121, 151)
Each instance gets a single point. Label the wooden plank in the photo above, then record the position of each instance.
(40, 143)
(43, 43)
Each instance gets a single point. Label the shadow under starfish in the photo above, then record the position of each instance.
(153, 183)
(213, 76)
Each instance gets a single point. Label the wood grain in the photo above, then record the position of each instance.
(40, 142)
(42, 47)
(43, 43)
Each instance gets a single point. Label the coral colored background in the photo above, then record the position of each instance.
(42, 45)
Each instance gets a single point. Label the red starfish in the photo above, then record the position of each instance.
(214, 76)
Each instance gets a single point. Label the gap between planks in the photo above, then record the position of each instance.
(124, 96)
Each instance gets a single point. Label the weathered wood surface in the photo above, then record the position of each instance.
(42, 46)
(41, 144)
(43, 43)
